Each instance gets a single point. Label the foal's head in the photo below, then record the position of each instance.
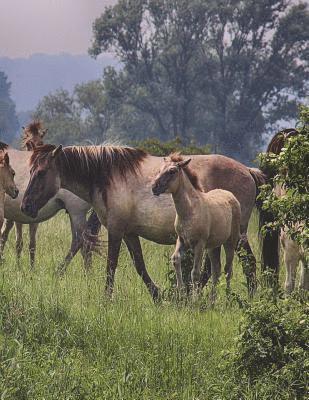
(33, 135)
(7, 174)
(44, 180)
(168, 179)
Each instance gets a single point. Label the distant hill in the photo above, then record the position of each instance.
(34, 77)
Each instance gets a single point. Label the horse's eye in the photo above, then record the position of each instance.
(41, 172)
(173, 171)
(13, 173)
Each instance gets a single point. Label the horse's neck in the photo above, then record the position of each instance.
(74, 186)
(185, 197)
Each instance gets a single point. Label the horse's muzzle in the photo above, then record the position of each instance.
(157, 190)
(15, 194)
(29, 209)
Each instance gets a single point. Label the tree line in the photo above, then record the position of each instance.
(219, 73)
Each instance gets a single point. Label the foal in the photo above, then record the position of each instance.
(7, 184)
(203, 220)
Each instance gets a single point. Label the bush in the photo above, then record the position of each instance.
(271, 352)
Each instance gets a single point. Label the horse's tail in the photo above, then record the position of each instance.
(270, 239)
(91, 232)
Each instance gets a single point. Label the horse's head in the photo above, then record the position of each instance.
(167, 180)
(7, 176)
(33, 135)
(44, 180)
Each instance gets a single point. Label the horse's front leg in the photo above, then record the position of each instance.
(196, 271)
(8, 225)
(135, 249)
(32, 243)
(114, 242)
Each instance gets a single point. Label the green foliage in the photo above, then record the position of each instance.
(158, 148)
(290, 169)
(8, 119)
(271, 351)
(218, 72)
(75, 118)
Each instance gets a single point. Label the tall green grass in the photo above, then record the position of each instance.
(63, 339)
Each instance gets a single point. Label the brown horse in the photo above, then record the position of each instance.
(292, 253)
(203, 220)
(117, 183)
(32, 137)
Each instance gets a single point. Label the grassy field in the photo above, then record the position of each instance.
(62, 339)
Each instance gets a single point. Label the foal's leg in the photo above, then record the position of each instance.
(196, 271)
(206, 273)
(114, 243)
(8, 225)
(135, 249)
(214, 255)
(176, 260)
(32, 243)
(19, 239)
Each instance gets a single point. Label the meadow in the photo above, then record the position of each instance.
(63, 339)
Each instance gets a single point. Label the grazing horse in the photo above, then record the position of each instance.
(117, 182)
(7, 184)
(293, 254)
(203, 220)
(63, 200)
(32, 136)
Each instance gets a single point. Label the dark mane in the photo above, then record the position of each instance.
(93, 165)
(193, 178)
(32, 130)
(277, 142)
(3, 146)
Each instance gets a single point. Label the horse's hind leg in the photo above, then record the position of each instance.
(228, 269)
(32, 243)
(135, 249)
(291, 259)
(304, 275)
(19, 240)
(8, 225)
(248, 262)
(214, 255)
(78, 224)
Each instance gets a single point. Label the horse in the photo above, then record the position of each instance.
(293, 254)
(63, 200)
(7, 184)
(116, 181)
(203, 220)
(32, 136)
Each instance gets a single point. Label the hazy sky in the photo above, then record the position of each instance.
(47, 26)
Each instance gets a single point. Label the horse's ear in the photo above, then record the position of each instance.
(43, 132)
(6, 159)
(183, 163)
(57, 151)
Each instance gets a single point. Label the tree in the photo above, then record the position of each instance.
(215, 71)
(77, 118)
(8, 119)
